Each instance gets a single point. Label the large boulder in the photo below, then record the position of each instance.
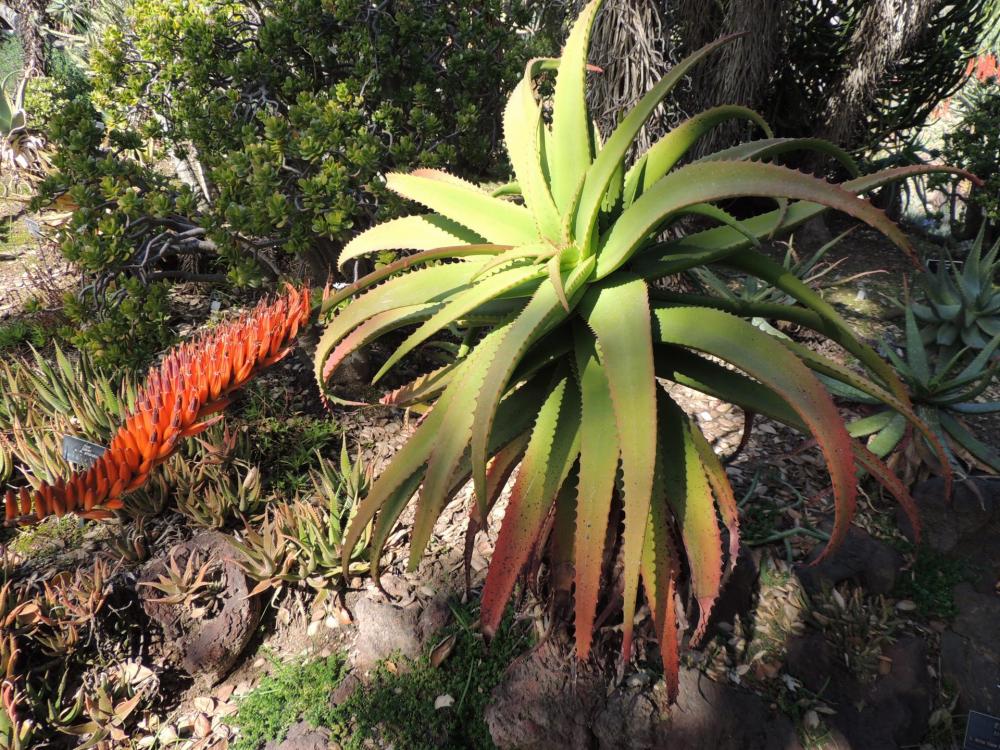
(948, 525)
(384, 629)
(301, 736)
(860, 557)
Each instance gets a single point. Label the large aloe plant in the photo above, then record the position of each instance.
(549, 284)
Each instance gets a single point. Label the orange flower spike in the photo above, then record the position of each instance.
(192, 382)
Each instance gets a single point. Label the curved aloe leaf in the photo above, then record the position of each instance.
(461, 304)
(659, 568)
(770, 147)
(550, 455)
(497, 220)
(422, 286)
(541, 313)
(689, 495)
(612, 155)
(523, 126)
(421, 232)
(568, 154)
(737, 342)
(710, 181)
(599, 452)
(663, 155)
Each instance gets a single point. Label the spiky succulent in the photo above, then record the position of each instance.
(549, 284)
(943, 393)
(962, 303)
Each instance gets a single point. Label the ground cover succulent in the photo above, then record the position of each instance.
(944, 391)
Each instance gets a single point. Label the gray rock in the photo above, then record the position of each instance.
(974, 504)
(301, 736)
(873, 563)
(548, 700)
(970, 650)
(384, 629)
(343, 692)
(891, 712)
(354, 370)
(435, 616)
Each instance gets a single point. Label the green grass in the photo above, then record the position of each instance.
(293, 690)
(930, 583)
(397, 703)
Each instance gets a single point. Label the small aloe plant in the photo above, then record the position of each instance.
(549, 284)
(942, 392)
(962, 307)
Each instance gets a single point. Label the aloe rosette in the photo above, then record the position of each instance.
(178, 400)
(944, 392)
(549, 283)
(962, 304)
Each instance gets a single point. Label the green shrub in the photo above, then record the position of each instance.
(974, 144)
(296, 126)
(127, 335)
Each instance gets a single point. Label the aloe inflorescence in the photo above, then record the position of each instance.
(180, 395)
(548, 283)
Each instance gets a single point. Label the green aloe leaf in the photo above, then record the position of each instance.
(451, 443)
(664, 155)
(461, 304)
(599, 453)
(715, 472)
(539, 316)
(422, 232)
(496, 220)
(689, 495)
(659, 568)
(867, 425)
(523, 128)
(982, 452)
(417, 287)
(710, 181)
(619, 315)
(568, 154)
(883, 442)
(768, 148)
(660, 260)
(611, 158)
(764, 358)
